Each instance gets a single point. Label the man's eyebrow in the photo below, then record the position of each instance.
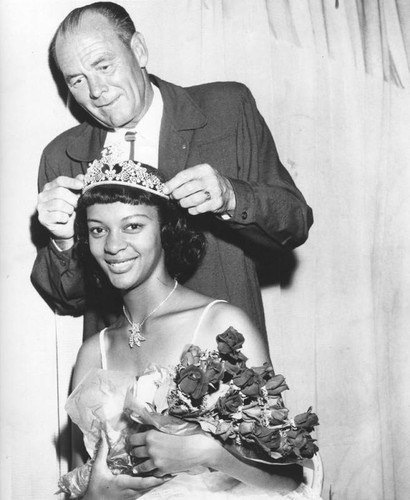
(98, 61)
(101, 59)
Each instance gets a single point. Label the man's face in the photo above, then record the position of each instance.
(103, 74)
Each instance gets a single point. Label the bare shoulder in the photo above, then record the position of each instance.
(88, 357)
(223, 316)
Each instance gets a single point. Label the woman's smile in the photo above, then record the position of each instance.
(125, 240)
(120, 266)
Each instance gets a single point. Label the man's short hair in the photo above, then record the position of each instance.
(114, 13)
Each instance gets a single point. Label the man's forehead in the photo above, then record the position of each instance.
(89, 24)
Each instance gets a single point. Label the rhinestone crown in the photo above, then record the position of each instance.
(109, 170)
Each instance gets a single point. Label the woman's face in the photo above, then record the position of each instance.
(125, 240)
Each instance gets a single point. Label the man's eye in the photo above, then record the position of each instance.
(105, 67)
(76, 82)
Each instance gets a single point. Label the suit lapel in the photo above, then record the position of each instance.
(181, 117)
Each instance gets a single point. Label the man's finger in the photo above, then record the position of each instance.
(190, 174)
(75, 183)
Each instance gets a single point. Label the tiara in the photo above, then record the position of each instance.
(109, 170)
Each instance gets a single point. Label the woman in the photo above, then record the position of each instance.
(141, 243)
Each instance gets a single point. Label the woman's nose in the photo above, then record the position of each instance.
(114, 243)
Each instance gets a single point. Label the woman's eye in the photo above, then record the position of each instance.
(134, 227)
(96, 231)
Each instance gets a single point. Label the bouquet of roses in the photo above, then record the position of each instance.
(240, 406)
(212, 391)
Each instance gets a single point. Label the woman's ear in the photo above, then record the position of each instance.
(139, 48)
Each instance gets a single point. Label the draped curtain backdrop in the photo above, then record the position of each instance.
(332, 80)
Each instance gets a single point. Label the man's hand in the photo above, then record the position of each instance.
(104, 485)
(202, 189)
(56, 208)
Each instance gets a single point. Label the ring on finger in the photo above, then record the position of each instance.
(207, 195)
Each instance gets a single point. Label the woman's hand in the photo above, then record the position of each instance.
(104, 485)
(169, 454)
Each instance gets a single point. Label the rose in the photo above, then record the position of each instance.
(225, 430)
(192, 381)
(266, 371)
(234, 367)
(252, 413)
(249, 382)
(229, 342)
(230, 403)
(301, 443)
(309, 448)
(307, 420)
(191, 356)
(278, 416)
(268, 439)
(276, 385)
(214, 371)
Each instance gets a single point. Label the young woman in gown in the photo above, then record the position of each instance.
(141, 245)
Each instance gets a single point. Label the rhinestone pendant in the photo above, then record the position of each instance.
(135, 337)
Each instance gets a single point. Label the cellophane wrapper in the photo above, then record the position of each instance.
(118, 404)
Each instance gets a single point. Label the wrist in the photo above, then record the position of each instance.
(210, 451)
(63, 244)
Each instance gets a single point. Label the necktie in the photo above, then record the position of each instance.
(130, 137)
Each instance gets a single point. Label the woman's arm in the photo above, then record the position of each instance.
(201, 449)
(104, 485)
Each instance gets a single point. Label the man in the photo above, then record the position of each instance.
(209, 140)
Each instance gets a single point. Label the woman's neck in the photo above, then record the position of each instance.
(141, 300)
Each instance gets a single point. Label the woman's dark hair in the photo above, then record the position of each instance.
(183, 245)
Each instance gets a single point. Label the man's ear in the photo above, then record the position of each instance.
(139, 47)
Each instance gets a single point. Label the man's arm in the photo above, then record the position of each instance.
(261, 201)
(56, 274)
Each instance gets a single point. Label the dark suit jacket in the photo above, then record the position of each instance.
(219, 124)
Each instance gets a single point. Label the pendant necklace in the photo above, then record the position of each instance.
(135, 337)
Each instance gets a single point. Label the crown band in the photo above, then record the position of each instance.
(109, 171)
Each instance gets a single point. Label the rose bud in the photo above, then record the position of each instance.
(224, 430)
(266, 371)
(307, 420)
(269, 439)
(252, 413)
(297, 440)
(248, 381)
(309, 448)
(229, 403)
(246, 428)
(191, 356)
(230, 341)
(214, 371)
(192, 381)
(276, 385)
(278, 416)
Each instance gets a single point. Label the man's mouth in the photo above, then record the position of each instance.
(108, 104)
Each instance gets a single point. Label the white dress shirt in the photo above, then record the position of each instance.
(147, 135)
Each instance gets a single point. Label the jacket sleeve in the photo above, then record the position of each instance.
(56, 275)
(270, 210)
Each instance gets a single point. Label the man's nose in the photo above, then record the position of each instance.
(114, 243)
(96, 86)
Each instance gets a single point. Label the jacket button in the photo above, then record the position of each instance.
(244, 215)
